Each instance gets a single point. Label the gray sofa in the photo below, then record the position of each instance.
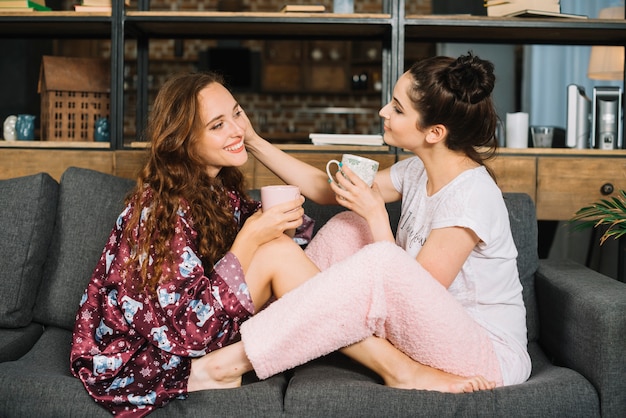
(53, 234)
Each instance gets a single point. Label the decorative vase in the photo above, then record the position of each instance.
(25, 127)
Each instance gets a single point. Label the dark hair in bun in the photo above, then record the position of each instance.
(470, 79)
(456, 93)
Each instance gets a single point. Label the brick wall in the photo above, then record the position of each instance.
(271, 113)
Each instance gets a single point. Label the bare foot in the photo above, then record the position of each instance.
(220, 369)
(419, 376)
(400, 371)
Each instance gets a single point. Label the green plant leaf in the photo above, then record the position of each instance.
(611, 212)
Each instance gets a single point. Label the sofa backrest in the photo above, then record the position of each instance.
(523, 219)
(89, 204)
(27, 211)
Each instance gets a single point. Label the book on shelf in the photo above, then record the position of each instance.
(303, 8)
(504, 8)
(346, 139)
(83, 8)
(96, 6)
(541, 13)
(96, 3)
(25, 5)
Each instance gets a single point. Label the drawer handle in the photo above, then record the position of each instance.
(607, 189)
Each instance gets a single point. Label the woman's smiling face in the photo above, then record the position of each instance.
(220, 142)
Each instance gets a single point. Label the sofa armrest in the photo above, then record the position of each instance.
(582, 317)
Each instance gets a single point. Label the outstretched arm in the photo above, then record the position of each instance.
(312, 181)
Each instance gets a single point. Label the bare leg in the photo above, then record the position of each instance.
(277, 267)
(400, 371)
(220, 369)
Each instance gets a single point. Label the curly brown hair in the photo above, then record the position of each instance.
(176, 177)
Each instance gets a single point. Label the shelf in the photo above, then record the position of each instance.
(392, 30)
(563, 152)
(54, 144)
(261, 25)
(307, 147)
(569, 152)
(515, 30)
(57, 24)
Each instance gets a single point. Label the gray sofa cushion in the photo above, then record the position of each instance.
(336, 386)
(15, 342)
(522, 216)
(89, 204)
(40, 385)
(27, 211)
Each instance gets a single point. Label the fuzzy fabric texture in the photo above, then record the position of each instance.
(343, 235)
(378, 290)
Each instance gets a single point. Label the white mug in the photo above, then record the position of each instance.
(363, 167)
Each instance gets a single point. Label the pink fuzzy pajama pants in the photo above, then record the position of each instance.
(374, 290)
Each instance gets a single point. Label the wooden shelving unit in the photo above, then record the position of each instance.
(391, 26)
(520, 170)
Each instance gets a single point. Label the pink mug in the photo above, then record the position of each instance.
(274, 195)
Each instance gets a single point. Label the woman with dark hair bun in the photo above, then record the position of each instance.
(457, 93)
(437, 307)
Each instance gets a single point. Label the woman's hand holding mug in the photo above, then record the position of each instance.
(363, 167)
(277, 194)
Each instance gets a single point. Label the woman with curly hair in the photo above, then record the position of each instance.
(190, 258)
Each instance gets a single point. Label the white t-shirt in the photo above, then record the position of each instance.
(488, 284)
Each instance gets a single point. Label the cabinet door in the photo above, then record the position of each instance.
(515, 174)
(282, 66)
(24, 162)
(326, 66)
(282, 77)
(566, 184)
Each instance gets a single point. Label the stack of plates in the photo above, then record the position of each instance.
(346, 139)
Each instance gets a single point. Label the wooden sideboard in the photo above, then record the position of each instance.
(560, 181)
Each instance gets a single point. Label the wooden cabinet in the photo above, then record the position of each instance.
(567, 183)
(306, 66)
(515, 174)
(282, 70)
(561, 181)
